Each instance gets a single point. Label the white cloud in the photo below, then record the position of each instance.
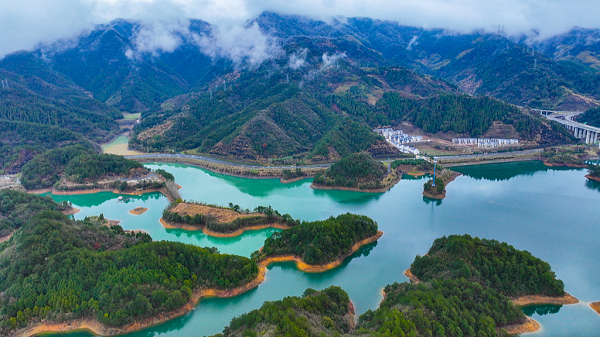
(298, 59)
(247, 46)
(329, 60)
(25, 23)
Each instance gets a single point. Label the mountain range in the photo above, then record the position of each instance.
(316, 96)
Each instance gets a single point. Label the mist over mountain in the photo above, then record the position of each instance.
(285, 85)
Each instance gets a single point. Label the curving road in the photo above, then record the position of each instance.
(222, 162)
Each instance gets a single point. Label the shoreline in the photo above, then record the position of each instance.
(354, 189)
(264, 172)
(595, 306)
(209, 232)
(71, 211)
(138, 210)
(530, 325)
(591, 177)
(100, 329)
(564, 165)
(98, 190)
(543, 299)
(308, 268)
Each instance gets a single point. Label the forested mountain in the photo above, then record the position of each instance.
(315, 98)
(590, 117)
(22, 141)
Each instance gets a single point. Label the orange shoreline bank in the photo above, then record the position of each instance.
(221, 235)
(97, 190)
(530, 325)
(595, 306)
(98, 328)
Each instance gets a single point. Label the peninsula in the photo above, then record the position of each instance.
(223, 221)
(357, 172)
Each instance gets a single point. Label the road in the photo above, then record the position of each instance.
(491, 154)
(223, 162)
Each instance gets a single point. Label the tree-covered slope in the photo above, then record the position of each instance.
(319, 242)
(38, 94)
(77, 163)
(317, 313)
(89, 270)
(354, 170)
(441, 308)
(590, 117)
(22, 141)
(494, 264)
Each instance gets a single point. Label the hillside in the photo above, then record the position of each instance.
(315, 99)
(152, 277)
(493, 264)
(590, 117)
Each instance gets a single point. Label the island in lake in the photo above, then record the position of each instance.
(357, 172)
(223, 221)
(461, 301)
(156, 281)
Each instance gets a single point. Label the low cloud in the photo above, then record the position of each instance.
(25, 23)
(329, 60)
(298, 59)
(159, 37)
(412, 42)
(244, 46)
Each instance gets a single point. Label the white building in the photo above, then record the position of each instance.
(397, 138)
(487, 143)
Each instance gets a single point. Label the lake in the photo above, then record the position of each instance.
(554, 213)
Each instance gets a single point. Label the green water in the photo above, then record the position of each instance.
(553, 213)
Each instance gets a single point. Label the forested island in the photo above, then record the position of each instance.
(330, 312)
(223, 221)
(418, 167)
(454, 298)
(102, 275)
(357, 172)
(320, 245)
(593, 172)
(494, 264)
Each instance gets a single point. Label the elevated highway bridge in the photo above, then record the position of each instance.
(591, 134)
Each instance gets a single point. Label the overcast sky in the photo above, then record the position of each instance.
(24, 23)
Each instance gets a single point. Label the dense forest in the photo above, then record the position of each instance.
(268, 216)
(16, 208)
(440, 308)
(21, 141)
(354, 170)
(450, 303)
(44, 170)
(90, 270)
(316, 313)
(590, 117)
(91, 166)
(77, 163)
(461, 114)
(494, 264)
(319, 242)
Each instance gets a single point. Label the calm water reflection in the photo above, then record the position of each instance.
(553, 213)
